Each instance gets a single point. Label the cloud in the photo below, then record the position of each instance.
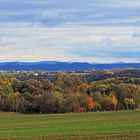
(76, 30)
(75, 12)
(70, 44)
(136, 34)
(53, 18)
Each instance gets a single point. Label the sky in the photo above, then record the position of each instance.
(102, 31)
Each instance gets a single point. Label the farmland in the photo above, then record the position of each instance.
(121, 125)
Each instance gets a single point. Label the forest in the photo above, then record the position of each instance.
(65, 92)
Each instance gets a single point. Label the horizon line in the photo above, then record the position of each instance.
(68, 62)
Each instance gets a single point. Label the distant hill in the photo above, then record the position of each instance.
(64, 66)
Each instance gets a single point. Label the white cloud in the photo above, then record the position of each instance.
(70, 44)
(76, 30)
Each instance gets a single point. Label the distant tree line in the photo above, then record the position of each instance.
(68, 93)
(92, 76)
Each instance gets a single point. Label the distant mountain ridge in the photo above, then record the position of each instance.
(64, 66)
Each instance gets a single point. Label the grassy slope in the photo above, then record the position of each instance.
(115, 125)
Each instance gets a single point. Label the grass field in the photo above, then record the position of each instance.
(87, 126)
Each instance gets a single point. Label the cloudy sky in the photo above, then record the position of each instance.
(101, 31)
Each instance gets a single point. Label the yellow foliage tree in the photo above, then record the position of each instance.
(114, 99)
(129, 101)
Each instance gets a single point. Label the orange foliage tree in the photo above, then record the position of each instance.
(91, 103)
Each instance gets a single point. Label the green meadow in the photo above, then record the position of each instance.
(123, 125)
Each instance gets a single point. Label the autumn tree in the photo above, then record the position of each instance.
(91, 103)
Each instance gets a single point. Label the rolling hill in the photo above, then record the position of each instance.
(64, 66)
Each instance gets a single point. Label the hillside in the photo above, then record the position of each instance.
(64, 66)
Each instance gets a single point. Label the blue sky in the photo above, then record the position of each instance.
(101, 31)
